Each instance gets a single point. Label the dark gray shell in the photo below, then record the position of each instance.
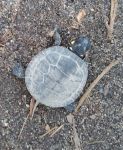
(56, 76)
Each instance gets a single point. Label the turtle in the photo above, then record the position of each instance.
(56, 76)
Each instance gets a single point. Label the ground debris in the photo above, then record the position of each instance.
(113, 11)
(106, 89)
(31, 106)
(52, 131)
(48, 132)
(76, 139)
(24, 123)
(78, 19)
(94, 83)
(58, 129)
(80, 16)
(47, 127)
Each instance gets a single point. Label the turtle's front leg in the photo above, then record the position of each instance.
(70, 108)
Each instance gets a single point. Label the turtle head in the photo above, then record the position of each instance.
(81, 46)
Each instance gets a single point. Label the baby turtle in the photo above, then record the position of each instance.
(56, 76)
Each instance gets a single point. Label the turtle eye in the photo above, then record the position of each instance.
(82, 56)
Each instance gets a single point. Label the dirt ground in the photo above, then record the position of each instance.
(25, 26)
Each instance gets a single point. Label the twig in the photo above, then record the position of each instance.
(33, 110)
(1, 45)
(57, 130)
(113, 10)
(31, 106)
(75, 136)
(95, 142)
(94, 83)
(48, 132)
(23, 126)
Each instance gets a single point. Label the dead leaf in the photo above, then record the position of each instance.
(47, 128)
(106, 89)
(70, 118)
(80, 15)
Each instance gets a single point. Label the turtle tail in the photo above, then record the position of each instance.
(57, 37)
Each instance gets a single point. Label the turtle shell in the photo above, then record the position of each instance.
(56, 76)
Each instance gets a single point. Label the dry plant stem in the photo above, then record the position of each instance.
(56, 130)
(76, 137)
(110, 26)
(94, 83)
(31, 106)
(35, 106)
(23, 126)
(48, 132)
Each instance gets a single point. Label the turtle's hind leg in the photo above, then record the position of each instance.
(70, 108)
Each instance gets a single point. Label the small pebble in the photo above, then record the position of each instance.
(27, 105)
(5, 123)
(92, 116)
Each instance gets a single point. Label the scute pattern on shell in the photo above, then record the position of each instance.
(56, 76)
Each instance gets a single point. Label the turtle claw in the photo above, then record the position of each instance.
(70, 108)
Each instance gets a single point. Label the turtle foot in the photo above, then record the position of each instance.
(70, 108)
(18, 70)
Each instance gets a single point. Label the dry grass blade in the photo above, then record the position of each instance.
(110, 26)
(48, 132)
(59, 128)
(71, 120)
(75, 136)
(94, 83)
(23, 126)
(31, 106)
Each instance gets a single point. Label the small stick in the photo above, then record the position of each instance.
(1, 45)
(57, 130)
(23, 126)
(94, 83)
(48, 132)
(31, 106)
(113, 10)
(34, 108)
(95, 142)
